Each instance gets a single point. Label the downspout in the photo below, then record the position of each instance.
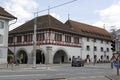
(14, 38)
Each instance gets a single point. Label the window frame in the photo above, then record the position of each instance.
(2, 24)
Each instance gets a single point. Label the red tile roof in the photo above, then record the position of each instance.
(5, 13)
(47, 21)
(89, 30)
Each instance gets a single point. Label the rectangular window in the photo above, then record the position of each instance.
(67, 38)
(95, 48)
(19, 39)
(10, 40)
(76, 40)
(88, 48)
(58, 37)
(1, 39)
(25, 38)
(101, 49)
(107, 42)
(107, 49)
(40, 37)
(88, 39)
(29, 37)
(101, 41)
(0, 53)
(1, 24)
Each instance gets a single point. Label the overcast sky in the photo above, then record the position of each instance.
(93, 12)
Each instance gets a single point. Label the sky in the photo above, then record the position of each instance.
(100, 13)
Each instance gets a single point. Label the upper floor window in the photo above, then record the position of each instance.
(1, 39)
(28, 37)
(101, 49)
(88, 48)
(88, 39)
(19, 39)
(95, 48)
(58, 37)
(101, 41)
(95, 40)
(10, 40)
(40, 37)
(107, 42)
(76, 40)
(1, 24)
(107, 49)
(67, 38)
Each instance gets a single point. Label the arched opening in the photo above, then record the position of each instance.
(22, 57)
(40, 57)
(60, 57)
(10, 55)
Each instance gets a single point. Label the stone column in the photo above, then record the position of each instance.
(49, 59)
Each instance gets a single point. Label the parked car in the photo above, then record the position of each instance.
(77, 62)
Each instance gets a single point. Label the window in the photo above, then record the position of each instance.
(28, 37)
(95, 40)
(88, 48)
(88, 39)
(0, 53)
(107, 42)
(101, 49)
(58, 37)
(1, 24)
(19, 39)
(67, 38)
(101, 41)
(1, 39)
(95, 48)
(40, 37)
(107, 49)
(25, 38)
(10, 40)
(76, 40)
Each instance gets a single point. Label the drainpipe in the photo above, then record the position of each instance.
(14, 39)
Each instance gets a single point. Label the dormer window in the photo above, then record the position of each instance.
(1, 24)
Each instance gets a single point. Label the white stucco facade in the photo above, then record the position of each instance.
(50, 50)
(3, 40)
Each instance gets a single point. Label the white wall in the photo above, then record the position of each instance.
(4, 45)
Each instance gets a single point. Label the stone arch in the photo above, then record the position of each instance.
(22, 56)
(60, 56)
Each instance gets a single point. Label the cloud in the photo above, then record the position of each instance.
(22, 9)
(110, 16)
(55, 15)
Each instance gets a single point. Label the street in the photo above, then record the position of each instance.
(67, 72)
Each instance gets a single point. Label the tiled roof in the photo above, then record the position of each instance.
(47, 21)
(89, 30)
(43, 22)
(5, 13)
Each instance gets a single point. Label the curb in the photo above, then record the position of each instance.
(94, 67)
(108, 77)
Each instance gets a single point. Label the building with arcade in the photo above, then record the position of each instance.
(58, 42)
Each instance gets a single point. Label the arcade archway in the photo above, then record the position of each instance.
(22, 56)
(60, 57)
(40, 57)
(10, 55)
